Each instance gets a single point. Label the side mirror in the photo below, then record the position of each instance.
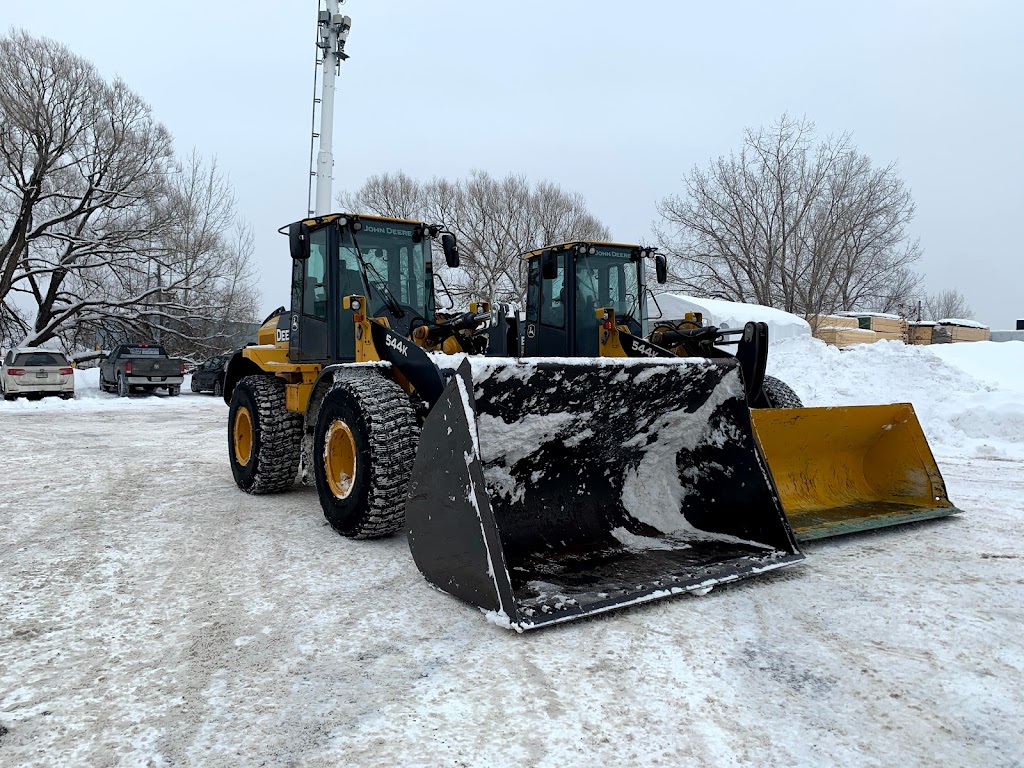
(451, 249)
(298, 241)
(549, 265)
(661, 268)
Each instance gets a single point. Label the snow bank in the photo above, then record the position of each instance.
(728, 314)
(968, 397)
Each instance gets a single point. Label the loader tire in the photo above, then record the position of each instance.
(263, 436)
(363, 450)
(779, 394)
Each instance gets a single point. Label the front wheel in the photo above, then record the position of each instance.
(263, 436)
(194, 385)
(218, 388)
(363, 450)
(779, 394)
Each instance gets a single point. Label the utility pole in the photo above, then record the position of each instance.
(333, 29)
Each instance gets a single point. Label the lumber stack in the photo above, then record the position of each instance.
(844, 337)
(961, 332)
(892, 328)
(920, 333)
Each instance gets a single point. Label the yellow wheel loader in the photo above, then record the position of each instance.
(837, 470)
(337, 386)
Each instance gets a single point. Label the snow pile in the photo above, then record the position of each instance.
(968, 397)
(728, 314)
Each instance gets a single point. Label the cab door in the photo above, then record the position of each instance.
(311, 301)
(547, 312)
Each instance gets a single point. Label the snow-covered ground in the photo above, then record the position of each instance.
(152, 614)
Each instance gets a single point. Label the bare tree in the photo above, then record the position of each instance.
(81, 169)
(495, 220)
(100, 229)
(948, 304)
(805, 226)
(396, 195)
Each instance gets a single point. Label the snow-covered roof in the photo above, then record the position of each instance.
(961, 322)
(727, 314)
(870, 314)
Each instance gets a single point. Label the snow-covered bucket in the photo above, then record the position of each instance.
(547, 490)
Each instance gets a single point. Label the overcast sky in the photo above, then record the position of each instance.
(614, 100)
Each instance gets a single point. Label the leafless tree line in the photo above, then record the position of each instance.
(943, 305)
(495, 221)
(806, 226)
(104, 233)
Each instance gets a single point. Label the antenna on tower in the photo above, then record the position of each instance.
(331, 35)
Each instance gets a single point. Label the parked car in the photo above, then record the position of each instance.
(141, 367)
(34, 372)
(209, 375)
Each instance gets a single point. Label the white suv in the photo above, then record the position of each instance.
(35, 372)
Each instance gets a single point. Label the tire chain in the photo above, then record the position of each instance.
(780, 394)
(394, 436)
(280, 434)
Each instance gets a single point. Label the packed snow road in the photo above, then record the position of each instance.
(152, 614)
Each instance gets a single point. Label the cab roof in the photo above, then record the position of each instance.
(317, 221)
(570, 245)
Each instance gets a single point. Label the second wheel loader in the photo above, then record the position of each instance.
(837, 470)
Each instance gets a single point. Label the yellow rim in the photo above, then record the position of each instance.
(242, 433)
(340, 459)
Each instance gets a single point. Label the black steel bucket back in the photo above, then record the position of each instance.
(545, 491)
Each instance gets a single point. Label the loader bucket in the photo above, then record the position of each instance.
(545, 491)
(848, 469)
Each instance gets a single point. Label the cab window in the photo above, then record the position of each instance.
(533, 291)
(314, 289)
(552, 306)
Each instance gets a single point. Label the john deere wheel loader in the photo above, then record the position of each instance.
(838, 470)
(337, 386)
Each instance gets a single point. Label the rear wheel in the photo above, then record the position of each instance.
(122, 386)
(173, 391)
(263, 436)
(363, 451)
(779, 394)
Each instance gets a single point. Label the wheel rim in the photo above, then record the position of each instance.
(340, 459)
(242, 435)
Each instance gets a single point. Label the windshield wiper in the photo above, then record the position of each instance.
(381, 285)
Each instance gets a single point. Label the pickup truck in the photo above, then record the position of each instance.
(141, 367)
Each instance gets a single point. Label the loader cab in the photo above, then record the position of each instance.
(386, 260)
(567, 283)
